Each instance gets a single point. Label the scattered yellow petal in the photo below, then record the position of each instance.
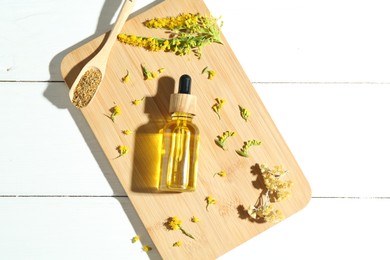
(161, 70)
(210, 200)
(212, 74)
(115, 111)
(146, 248)
(122, 150)
(127, 132)
(195, 219)
(126, 78)
(136, 102)
(177, 244)
(221, 174)
(135, 239)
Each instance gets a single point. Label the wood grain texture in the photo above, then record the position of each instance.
(137, 170)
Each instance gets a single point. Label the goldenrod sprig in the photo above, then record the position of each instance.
(245, 148)
(187, 32)
(244, 113)
(221, 139)
(218, 106)
(175, 224)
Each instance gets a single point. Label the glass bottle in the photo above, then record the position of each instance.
(180, 142)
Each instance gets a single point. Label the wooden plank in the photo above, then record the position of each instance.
(94, 228)
(98, 228)
(297, 40)
(47, 149)
(137, 171)
(338, 133)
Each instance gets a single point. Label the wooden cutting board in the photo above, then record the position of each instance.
(224, 225)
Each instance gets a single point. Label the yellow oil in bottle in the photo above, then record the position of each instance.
(179, 163)
(180, 143)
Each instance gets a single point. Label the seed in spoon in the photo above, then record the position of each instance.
(86, 88)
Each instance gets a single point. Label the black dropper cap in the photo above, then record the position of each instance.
(185, 84)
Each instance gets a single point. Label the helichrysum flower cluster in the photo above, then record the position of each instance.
(221, 139)
(187, 32)
(266, 213)
(278, 188)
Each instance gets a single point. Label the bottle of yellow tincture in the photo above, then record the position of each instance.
(180, 142)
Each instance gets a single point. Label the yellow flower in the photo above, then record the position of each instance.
(244, 151)
(127, 132)
(174, 223)
(188, 32)
(177, 244)
(221, 174)
(195, 219)
(244, 113)
(212, 74)
(221, 140)
(218, 106)
(115, 111)
(122, 150)
(146, 248)
(210, 200)
(149, 75)
(135, 239)
(136, 102)
(126, 78)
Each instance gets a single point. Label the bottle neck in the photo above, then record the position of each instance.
(182, 116)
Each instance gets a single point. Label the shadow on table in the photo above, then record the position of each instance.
(57, 94)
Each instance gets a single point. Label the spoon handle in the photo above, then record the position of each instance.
(120, 22)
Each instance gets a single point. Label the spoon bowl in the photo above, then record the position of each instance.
(89, 79)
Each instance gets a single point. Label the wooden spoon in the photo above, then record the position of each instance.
(88, 81)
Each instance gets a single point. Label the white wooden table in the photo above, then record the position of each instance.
(322, 68)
